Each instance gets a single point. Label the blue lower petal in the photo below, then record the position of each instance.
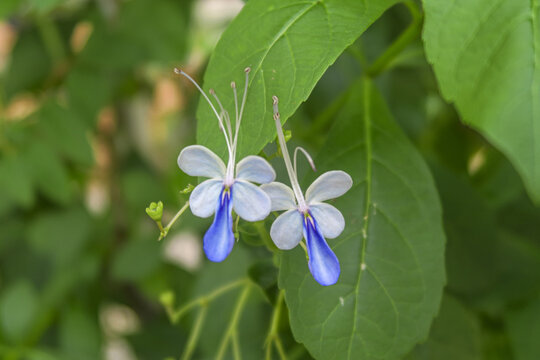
(323, 263)
(219, 239)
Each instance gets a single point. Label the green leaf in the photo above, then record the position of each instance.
(43, 6)
(455, 334)
(392, 278)
(518, 264)
(88, 92)
(28, 53)
(18, 305)
(80, 336)
(470, 226)
(60, 235)
(486, 56)
(524, 330)
(43, 354)
(254, 319)
(484, 262)
(288, 45)
(65, 132)
(17, 185)
(127, 42)
(7, 7)
(48, 171)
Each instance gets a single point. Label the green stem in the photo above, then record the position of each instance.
(268, 354)
(234, 321)
(279, 347)
(273, 336)
(276, 315)
(165, 231)
(236, 231)
(195, 333)
(160, 226)
(236, 346)
(203, 300)
(407, 37)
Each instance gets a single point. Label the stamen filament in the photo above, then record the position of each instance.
(181, 72)
(233, 86)
(244, 96)
(308, 157)
(302, 206)
(225, 114)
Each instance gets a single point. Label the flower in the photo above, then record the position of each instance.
(229, 187)
(308, 217)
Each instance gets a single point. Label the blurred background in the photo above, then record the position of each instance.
(92, 119)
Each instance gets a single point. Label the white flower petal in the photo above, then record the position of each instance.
(330, 185)
(330, 220)
(286, 231)
(256, 169)
(197, 160)
(204, 198)
(250, 202)
(281, 195)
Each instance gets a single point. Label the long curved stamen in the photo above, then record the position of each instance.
(225, 114)
(302, 206)
(233, 86)
(180, 72)
(308, 157)
(244, 96)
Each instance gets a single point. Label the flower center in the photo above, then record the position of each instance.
(225, 193)
(228, 181)
(304, 209)
(307, 216)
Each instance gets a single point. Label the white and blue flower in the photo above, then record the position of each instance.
(308, 217)
(229, 187)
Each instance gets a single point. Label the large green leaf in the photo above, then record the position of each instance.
(486, 56)
(455, 334)
(524, 330)
(288, 45)
(391, 252)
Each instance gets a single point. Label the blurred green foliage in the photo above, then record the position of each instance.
(91, 121)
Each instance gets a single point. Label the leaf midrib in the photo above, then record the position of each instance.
(280, 34)
(367, 137)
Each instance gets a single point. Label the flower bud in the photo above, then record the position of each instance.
(288, 135)
(155, 211)
(189, 188)
(167, 299)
